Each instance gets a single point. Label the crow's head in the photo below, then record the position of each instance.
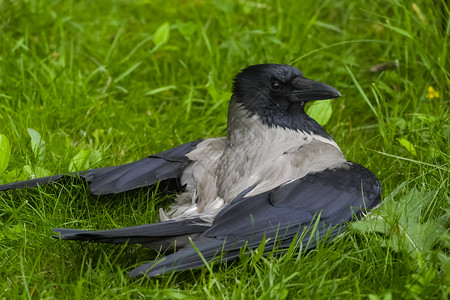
(278, 93)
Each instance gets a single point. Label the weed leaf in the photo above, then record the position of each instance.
(320, 111)
(408, 145)
(36, 172)
(402, 226)
(37, 144)
(162, 34)
(84, 159)
(5, 153)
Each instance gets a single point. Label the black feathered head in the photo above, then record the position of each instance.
(278, 93)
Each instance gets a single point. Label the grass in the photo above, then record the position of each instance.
(104, 83)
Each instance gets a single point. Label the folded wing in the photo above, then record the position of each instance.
(155, 236)
(335, 196)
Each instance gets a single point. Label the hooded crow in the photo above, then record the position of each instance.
(276, 173)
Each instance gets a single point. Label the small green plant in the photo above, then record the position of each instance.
(5, 153)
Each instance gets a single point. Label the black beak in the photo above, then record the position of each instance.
(308, 90)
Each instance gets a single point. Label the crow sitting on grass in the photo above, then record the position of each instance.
(274, 173)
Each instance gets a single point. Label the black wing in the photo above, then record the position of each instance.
(167, 165)
(335, 195)
(157, 235)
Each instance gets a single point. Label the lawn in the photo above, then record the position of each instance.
(87, 84)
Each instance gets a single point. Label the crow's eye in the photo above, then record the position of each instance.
(275, 85)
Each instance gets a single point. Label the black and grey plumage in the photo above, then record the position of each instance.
(276, 171)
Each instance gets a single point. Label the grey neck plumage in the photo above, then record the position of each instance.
(243, 122)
